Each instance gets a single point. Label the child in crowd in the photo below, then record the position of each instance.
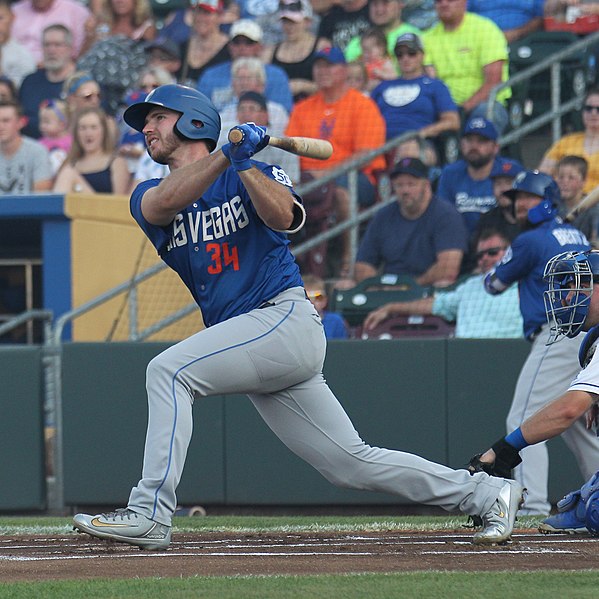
(357, 76)
(334, 325)
(54, 127)
(571, 176)
(379, 66)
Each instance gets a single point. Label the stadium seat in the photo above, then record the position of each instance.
(408, 326)
(355, 303)
(532, 97)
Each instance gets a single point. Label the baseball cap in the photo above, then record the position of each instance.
(410, 166)
(332, 55)
(505, 167)
(246, 28)
(295, 10)
(254, 97)
(165, 44)
(410, 40)
(480, 126)
(209, 5)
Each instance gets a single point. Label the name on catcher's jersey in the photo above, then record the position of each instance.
(227, 257)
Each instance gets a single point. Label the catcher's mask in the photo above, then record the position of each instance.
(570, 278)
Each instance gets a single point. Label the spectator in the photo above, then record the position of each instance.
(583, 143)
(516, 18)
(206, 46)
(418, 235)
(420, 13)
(24, 162)
(569, 11)
(469, 53)
(166, 54)
(334, 325)
(345, 20)
(33, 16)
(466, 183)
(353, 125)
(477, 314)
(15, 60)
(379, 66)
(548, 370)
(132, 19)
(571, 176)
(46, 83)
(245, 39)
(92, 165)
(80, 91)
(502, 217)
(414, 101)
(357, 77)
(8, 90)
(295, 53)
(56, 136)
(253, 107)
(386, 15)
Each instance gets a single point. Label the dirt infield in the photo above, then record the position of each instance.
(78, 556)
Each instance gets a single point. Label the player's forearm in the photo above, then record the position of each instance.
(181, 187)
(556, 417)
(273, 201)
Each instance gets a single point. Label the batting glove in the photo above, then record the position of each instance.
(254, 140)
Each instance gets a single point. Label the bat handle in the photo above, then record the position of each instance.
(236, 135)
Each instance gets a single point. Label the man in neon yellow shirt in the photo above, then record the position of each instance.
(469, 53)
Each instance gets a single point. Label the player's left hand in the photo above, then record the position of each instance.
(254, 140)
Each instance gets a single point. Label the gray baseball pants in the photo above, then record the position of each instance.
(275, 356)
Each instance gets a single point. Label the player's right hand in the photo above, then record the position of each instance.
(254, 140)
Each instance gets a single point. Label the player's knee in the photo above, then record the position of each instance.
(157, 369)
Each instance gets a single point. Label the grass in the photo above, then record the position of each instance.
(404, 585)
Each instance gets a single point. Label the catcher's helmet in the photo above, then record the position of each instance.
(199, 118)
(570, 277)
(541, 185)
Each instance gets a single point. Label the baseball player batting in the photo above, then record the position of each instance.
(572, 306)
(220, 221)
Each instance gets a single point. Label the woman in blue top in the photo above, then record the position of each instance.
(415, 102)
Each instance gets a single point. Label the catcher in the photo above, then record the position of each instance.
(571, 305)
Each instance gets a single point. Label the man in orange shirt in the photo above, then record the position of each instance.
(350, 121)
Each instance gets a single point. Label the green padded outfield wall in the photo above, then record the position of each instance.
(22, 469)
(443, 399)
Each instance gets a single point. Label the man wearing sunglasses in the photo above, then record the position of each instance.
(476, 313)
(548, 370)
(245, 40)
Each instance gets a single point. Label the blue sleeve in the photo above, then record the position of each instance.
(159, 236)
(277, 87)
(518, 261)
(444, 191)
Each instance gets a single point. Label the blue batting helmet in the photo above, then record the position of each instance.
(199, 118)
(541, 185)
(570, 277)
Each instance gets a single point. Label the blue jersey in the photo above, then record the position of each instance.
(228, 258)
(470, 197)
(411, 104)
(525, 262)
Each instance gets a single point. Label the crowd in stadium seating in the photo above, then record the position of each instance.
(357, 72)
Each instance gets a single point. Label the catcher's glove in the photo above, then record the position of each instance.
(506, 458)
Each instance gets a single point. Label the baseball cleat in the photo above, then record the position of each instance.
(125, 526)
(498, 522)
(565, 522)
